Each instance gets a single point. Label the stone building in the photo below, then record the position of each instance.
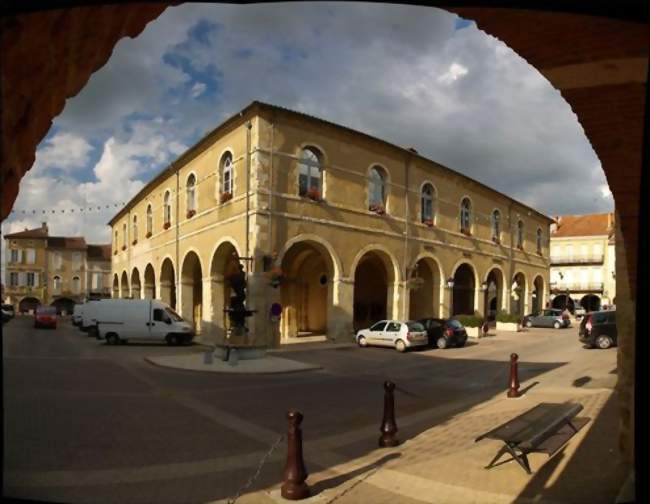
(56, 270)
(583, 261)
(349, 227)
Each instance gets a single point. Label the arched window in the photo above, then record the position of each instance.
(149, 221)
(56, 284)
(167, 209)
(496, 226)
(225, 176)
(427, 204)
(377, 189)
(191, 195)
(466, 216)
(123, 236)
(76, 285)
(310, 173)
(539, 240)
(520, 234)
(135, 228)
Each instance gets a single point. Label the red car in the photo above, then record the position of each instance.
(45, 316)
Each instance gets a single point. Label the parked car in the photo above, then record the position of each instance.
(579, 312)
(550, 317)
(444, 333)
(45, 316)
(393, 333)
(7, 312)
(121, 320)
(598, 329)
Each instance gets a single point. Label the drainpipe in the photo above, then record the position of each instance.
(249, 125)
(178, 266)
(511, 266)
(271, 242)
(406, 233)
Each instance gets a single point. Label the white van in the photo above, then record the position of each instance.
(122, 320)
(77, 314)
(88, 318)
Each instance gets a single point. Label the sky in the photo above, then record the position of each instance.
(411, 75)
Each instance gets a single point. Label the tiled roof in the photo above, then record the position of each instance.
(99, 252)
(67, 242)
(584, 225)
(40, 232)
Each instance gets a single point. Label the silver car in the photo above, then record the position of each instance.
(548, 318)
(393, 333)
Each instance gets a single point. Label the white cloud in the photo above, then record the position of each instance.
(198, 89)
(605, 191)
(455, 71)
(66, 151)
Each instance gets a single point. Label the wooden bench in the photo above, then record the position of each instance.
(540, 429)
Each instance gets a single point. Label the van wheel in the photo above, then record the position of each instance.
(362, 341)
(603, 342)
(441, 342)
(557, 325)
(112, 339)
(400, 346)
(172, 339)
(529, 323)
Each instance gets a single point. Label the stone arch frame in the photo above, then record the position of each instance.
(477, 284)
(146, 286)
(393, 294)
(387, 184)
(38, 303)
(504, 287)
(543, 295)
(196, 191)
(186, 294)
(526, 291)
(472, 212)
(434, 208)
(162, 284)
(441, 290)
(218, 186)
(135, 275)
(324, 162)
(124, 280)
(218, 320)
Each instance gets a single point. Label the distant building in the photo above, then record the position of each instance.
(54, 270)
(583, 261)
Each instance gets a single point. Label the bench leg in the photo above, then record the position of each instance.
(521, 459)
(501, 451)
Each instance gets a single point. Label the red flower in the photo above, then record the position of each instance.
(167, 225)
(115, 252)
(134, 242)
(225, 196)
(378, 209)
(123, 247)
(148, 235)
(466, 232)
(496, 240)
(313, 193)
(191, 213)
(428, 222)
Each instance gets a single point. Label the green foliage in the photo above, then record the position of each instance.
(508, 318)
(475, 320)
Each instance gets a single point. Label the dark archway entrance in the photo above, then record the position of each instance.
(168, 283)
(149, 282)
(538, 295)
(225, 262)
(192, 290)
(424, 284)
(518, 295)
(135, 284)
(493, 294)
(463, 291)
(590, 302)
(116, 287)
(373, 279)
(28, 304)
(124, 286)
(63, 305)
(562, 301)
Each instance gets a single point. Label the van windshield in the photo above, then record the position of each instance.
(173, 315)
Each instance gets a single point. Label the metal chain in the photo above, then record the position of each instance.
(256, 474)
(404, 391)
(351, 487)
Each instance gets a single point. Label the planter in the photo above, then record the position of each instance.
(123, 247)
(115, 252)
(428, 223)
(225, 196)
(496, 241)
(313, 194)
(378, 209)
(466, 232)
(473, 332)
(148, 235)
(508, 326)
(190, 214)
(167, 225)
(134, 242)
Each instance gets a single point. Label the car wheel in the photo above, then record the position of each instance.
(172, 340)
(529, 323)
(112, 339)
(603, 342)
(362, 341)
(557, 325)
(441, 343)
(400, 346)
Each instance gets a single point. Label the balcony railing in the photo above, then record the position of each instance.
(578, 287)
(578, 259)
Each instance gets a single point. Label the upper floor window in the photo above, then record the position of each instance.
(56, 284)
(123, 236)
(135, 229)
(31, 279)
(427, 201)
(149, 221)
(15, 255)
(310, 176)
(226, 177)
(377, 189)
(97, 281)
(466, 216)
(496, 226)
(167, 209)
(57, 259)
(520, 234)
(76, 261)
(30, 255)
(13, 278)
(191, 195)
(76, 285)
(539, 240)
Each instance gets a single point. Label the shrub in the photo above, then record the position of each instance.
(475, 320)
(508, 318)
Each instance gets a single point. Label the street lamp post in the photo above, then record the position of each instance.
(450, 286)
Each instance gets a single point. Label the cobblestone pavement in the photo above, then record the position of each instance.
(85, 422)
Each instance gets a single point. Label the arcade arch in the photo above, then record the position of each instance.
(116, 287)
(375, 288)
(168, 283)
(424, 294)
(192, 290)
(224, 263)
(149, 282)
(124, 286)
(538, 294)
(493, 296)
(135, 284)
(518, 295)
(463, 292)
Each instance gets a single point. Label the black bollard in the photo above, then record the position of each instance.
(513, 389)
(388, 427)
(295, 474)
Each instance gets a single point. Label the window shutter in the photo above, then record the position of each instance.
(36, 280)
(21, 278)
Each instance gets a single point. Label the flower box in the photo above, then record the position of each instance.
(508, 326)
(149, 234)
(313, 194)
(520, 247)
(167, 225)
(190, 214)
(428, 222)
(123, 247)
(225, 196)
(378, 209)
(134, 242)
(466, 232)
(473, 332)
(115, 252)
(496, 240)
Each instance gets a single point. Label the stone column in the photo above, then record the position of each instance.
(207, 317)
(217, 332)
(257, 298)
(185, 300)
(340, 316)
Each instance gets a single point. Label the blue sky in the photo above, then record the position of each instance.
(414, 76)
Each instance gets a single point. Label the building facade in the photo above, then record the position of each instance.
(54, 270)
(583, 261)
(338, 227)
